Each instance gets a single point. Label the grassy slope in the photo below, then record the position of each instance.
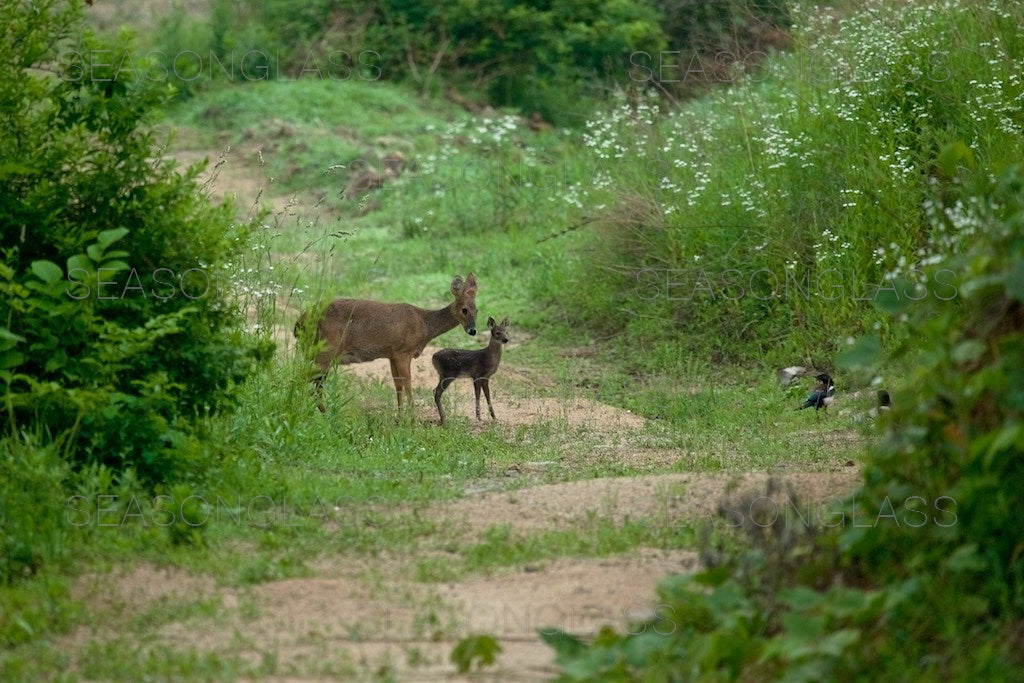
(276, 445)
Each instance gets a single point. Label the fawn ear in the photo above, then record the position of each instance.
(504, 323)
(471, 281)
(490, 323)
(457, 285)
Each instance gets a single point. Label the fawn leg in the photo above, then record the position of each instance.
(323, 362)
(438, 390)
(486, 384)
(476, 390)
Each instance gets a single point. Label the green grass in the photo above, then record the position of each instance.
(300, 487)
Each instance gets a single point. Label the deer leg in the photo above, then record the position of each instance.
(476, 391)
(486, 384)
(323, 362)
(405, 375)
(397, 378)
(438, 390)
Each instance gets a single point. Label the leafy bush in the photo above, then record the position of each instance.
(550, 57)
(933, 585)
(115, 329)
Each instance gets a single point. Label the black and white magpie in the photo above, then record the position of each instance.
(823, 396)
(884, 404)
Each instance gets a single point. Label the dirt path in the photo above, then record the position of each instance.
(363, 618)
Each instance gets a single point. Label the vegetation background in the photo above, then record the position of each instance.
(669, 199)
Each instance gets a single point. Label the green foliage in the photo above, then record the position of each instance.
(113, 331)
(761, 221)
(31, 504)
(554, 58)
(933, 583)
(479, 649)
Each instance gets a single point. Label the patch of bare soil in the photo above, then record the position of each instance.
(514, 400)
(368, 617)
(669, 498)
(340, 627)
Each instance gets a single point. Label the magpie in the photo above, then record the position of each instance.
(884, 401)
(821, 398)
(884, 404)
(787, 375)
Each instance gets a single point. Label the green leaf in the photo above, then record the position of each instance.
(801, 627)
(968, 351)
(10, 336)
(11, 359)
(108, 237)
(965, 558)
(47, 271)
(834, 643)
(950, 157)
(893, 299)
(95, 252)
(865, 352)
(482, 649)
(80, 261)
(801, 598)
(565, 645)
(115, 265)
(1014, 281)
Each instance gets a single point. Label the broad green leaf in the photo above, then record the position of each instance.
(893, 298)
(564, 644)
(801, 598)
(80, 261)
(7, 334)
(834, 643)
(11, 359)
(965, 558)
(47, 271)
(482, 649)
(115, 265)
(95, 252)
(108, 237)
(1014, 280)
(952, 156)
(967, 351)
(801, 627)
(865, 352)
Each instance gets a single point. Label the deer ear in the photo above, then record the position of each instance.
(504, 323)
(471, 280)
(490, 323)
(457, 285)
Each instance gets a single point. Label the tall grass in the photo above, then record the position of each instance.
(768, 215)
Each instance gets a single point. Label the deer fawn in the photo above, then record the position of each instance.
(480, 365)
(356, 331)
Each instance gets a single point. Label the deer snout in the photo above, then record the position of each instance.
(471, 331)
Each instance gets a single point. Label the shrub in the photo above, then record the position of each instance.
(762, 220)
(110, 340)
(555, 58)
(933, 585)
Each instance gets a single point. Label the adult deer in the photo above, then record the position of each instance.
(356, 331)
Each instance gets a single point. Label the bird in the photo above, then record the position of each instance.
(884, 404)
(787, 375)
(823, 396)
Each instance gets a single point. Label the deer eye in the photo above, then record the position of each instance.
(465, 311)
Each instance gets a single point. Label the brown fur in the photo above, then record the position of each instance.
(356, 331)
(479, 365)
